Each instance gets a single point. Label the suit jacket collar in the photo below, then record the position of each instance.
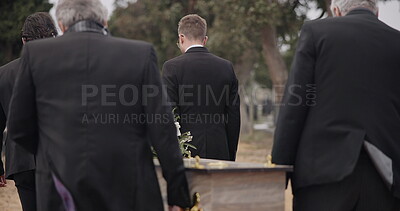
(197, 49)
(361, 11)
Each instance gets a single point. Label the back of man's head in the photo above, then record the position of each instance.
(69, 12)
(346, 6)
(193, 26)
(37, 26)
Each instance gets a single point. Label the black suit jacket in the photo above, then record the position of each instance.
(343, 89)
(204, 88)
(80, 100)
(18, 159)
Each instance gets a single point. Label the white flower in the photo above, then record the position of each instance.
(178, 126)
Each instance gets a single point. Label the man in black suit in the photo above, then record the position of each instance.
(339, 123)
(204, 89)
(20, 164)
(92, 106)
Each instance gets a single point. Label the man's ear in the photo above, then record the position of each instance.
(62, 27)
(205, 40)
(23, 41)
(337, 12)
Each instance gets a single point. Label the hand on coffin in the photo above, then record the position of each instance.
(3, 181)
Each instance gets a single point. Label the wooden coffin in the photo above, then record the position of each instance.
(234, 186)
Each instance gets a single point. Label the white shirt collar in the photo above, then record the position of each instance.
(193, 46)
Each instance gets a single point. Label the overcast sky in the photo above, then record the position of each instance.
(389, 12)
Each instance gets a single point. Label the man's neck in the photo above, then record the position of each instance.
(193, 46)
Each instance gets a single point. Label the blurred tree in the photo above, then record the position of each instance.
(154, 21)
(12, 16)
(255, 35)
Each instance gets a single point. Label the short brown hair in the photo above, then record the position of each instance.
(37, 26)
(193, 26)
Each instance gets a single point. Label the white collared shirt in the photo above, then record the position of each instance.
(193, 46)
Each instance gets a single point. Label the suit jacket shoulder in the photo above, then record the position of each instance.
(354, 20)
(175, 64)
(8, 74)
(7, 68)
(66, 38)
(129, 42)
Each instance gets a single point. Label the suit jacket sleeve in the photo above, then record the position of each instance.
(163, 137)
(3, 120)
(22, 120)
(294, 107)
(171, 83)
(233, 117)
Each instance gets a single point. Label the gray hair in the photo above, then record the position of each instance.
(346, 5)
(68, 12)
